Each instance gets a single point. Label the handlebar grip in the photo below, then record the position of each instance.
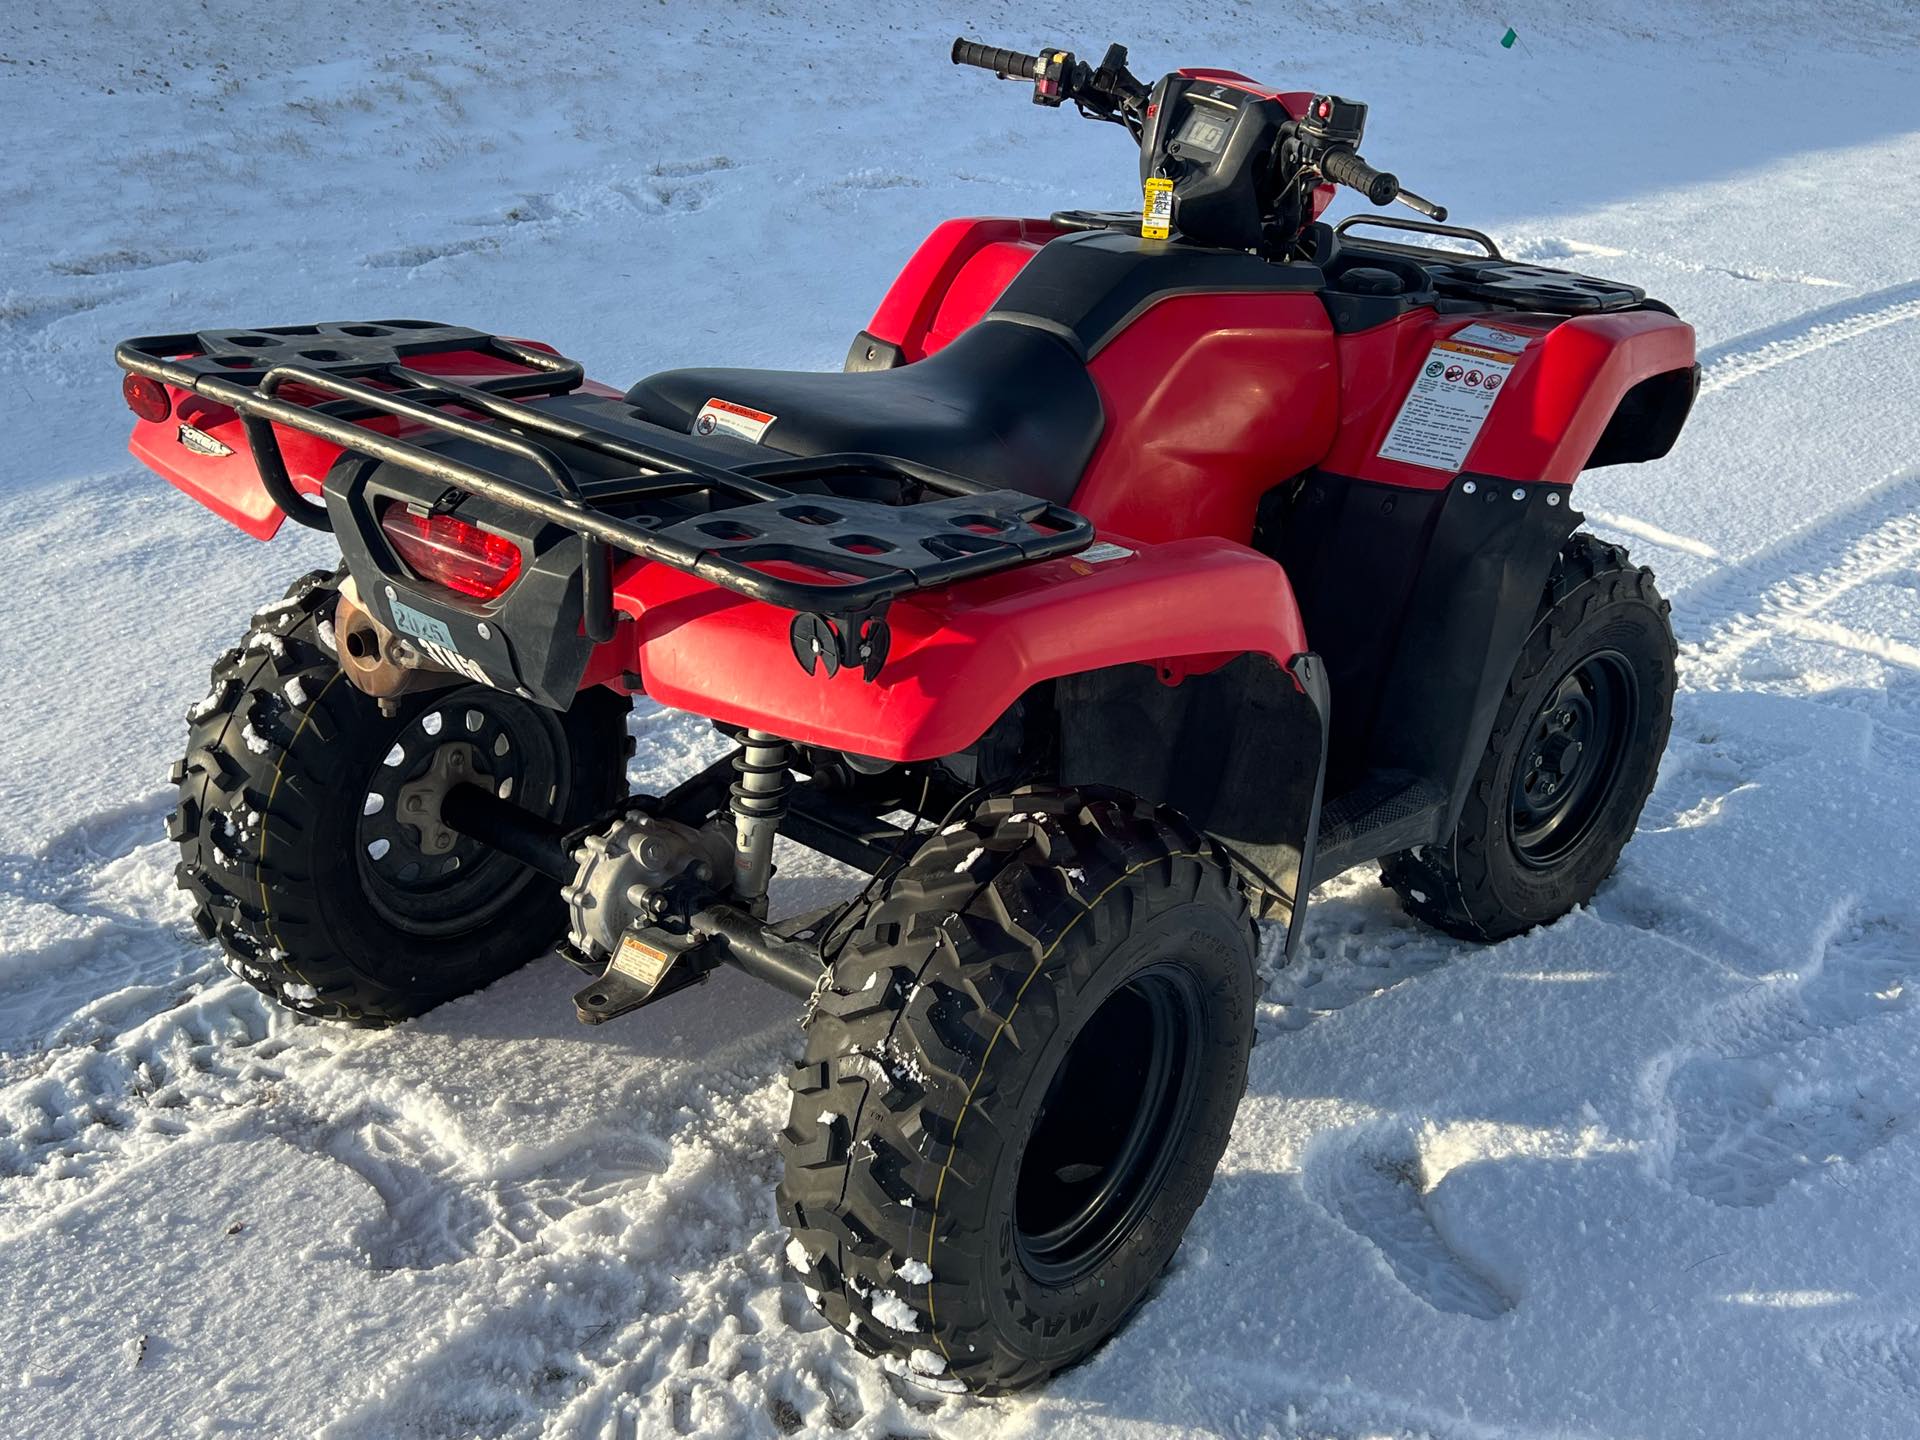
(1009, 64)
(1343, 167)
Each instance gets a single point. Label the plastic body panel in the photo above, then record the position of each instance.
(960, 656)
(1212, 401)
(958, 271)
(1547, 419)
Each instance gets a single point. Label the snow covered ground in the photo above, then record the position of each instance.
(1652, 1172)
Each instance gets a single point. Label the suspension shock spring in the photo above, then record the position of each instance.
(758, 800)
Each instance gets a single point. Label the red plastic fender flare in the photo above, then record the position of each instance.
(960, 656)
(1567, 387)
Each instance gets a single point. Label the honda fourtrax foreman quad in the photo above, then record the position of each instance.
(1141, 571)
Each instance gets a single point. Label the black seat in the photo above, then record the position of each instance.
(1006, 403)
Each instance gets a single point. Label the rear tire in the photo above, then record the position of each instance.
(289, 823)
(1017, 1085)
(1575, 748)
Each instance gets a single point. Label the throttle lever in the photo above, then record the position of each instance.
(1423, 206)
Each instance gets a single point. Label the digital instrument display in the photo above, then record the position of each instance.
(1204, 130)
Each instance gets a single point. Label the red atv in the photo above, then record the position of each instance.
(1141, 571)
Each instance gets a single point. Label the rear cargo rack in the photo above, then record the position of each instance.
(864, 553)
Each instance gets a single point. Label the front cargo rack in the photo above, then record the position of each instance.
(1491, 278)
(865, 553)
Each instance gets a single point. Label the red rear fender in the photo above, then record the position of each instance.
(960, 656)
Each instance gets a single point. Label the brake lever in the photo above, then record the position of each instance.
(1437, 213)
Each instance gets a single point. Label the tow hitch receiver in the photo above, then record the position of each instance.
(649, 964)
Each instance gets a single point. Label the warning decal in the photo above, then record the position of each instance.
(723, 417)
(1452, 397)
(646, 963)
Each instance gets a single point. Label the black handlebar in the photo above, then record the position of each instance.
(1343, 167)
(1320, 141)
(1008, 64)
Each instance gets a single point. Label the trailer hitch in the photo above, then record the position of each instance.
(652, 962)
(643, 888)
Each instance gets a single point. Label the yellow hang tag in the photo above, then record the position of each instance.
(1156, 209)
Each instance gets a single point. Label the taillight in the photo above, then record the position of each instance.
(146, 398)
(451, 552)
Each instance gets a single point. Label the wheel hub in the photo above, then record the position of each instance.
(1104, 1136)
(1571, 758)
(417, 871)
(420, 801)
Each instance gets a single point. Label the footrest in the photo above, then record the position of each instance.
(1388, 810)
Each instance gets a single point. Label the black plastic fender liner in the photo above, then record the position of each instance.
(1419, 600)
(1648, 419)
(1472, 604)
(1240, 751)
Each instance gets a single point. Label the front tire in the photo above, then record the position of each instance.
(1017, 1085)
(1574, 751)
(293, 822)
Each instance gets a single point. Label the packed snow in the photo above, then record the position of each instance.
(1649, 1172)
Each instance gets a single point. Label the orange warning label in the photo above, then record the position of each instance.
(725, 417)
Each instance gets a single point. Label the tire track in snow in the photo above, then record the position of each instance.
(1881, 1359)
(1765, 349)
(1352, 951)
(1652, 534)
(1791, 580)
(1549, 249)
(1754, 353)
(1746, 1126)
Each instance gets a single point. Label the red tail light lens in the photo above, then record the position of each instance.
(448, 551)
(146, 398)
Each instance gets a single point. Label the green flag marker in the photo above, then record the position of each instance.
(1506, 40)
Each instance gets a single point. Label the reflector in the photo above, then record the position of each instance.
(146, 398)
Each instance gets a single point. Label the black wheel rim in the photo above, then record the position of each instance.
(517, 750)
(1114, 1115)
(1574, 749)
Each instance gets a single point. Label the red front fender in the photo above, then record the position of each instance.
(960, 656)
